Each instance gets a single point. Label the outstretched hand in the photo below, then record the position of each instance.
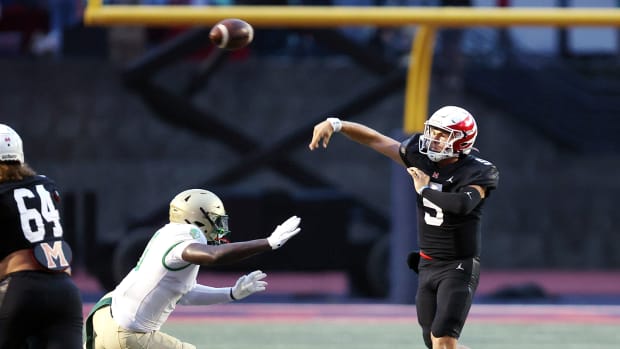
(323, 131)
(249, 284)
(283, 232)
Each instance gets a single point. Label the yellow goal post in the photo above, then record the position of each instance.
(428, 20)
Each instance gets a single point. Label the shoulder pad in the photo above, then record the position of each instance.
(486, 174)
(410, 149)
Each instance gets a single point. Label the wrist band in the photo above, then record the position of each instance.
(336, 124)
(422, 189)
(231, 295)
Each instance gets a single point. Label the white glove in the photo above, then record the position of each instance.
(283, 232)
(248, 284)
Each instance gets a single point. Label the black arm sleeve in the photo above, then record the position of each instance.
(460, 203)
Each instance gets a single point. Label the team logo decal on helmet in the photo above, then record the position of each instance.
(450, 131)
(11, 146)
(203, 209)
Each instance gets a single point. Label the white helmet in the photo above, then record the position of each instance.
(11, 146)
(203, 209)
(461, 127)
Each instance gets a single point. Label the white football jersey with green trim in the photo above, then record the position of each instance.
(149, 293)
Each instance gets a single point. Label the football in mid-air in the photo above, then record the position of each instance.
(231, 34)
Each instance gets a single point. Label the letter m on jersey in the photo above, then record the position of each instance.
(53, 255)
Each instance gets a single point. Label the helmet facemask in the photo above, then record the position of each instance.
(219, 228)
(204, 210)
(438, 149)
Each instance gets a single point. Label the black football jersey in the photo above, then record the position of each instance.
(28, 214)
(443, 235)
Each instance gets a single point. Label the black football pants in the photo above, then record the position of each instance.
(445, 293)
(40, 310)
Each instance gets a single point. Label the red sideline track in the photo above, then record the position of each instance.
(554, 282)
(252, 312)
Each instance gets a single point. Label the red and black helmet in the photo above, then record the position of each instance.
(458, 124)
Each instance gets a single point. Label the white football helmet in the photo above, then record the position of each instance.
(460, 127)
(203, 209)
(11, 146)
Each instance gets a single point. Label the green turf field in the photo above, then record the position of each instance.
(316, 334)
(262, 331)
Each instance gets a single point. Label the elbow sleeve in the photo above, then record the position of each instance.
(462, 202)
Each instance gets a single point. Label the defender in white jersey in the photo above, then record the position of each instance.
(131, 315)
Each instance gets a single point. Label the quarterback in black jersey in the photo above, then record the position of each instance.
(40, 306)
(451, 185)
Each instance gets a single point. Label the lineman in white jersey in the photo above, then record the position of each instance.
(131, 315)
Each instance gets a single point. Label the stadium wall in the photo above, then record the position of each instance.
(81, 127)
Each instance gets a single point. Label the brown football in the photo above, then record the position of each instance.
(231, 34)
